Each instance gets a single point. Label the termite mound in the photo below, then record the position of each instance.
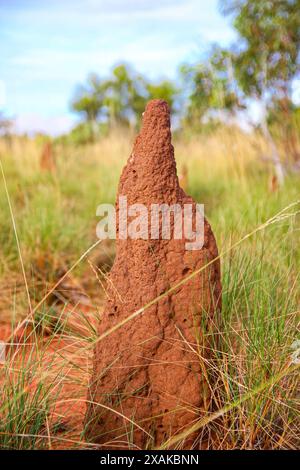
(149, 379)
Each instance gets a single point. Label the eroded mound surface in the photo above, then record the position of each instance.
(151, 371)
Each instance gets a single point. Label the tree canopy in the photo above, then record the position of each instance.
(261, 64)
(267, 53)
(121, 98)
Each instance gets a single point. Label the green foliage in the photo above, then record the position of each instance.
(89, 99)
(267, 59)
(269, 41)
(117, 100)
(261, 64)
(212, 86)
(124, 97)
(165, 90)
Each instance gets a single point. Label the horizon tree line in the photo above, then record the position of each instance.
(262, 65)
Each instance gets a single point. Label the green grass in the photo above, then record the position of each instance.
(25, 404)
(254, 380)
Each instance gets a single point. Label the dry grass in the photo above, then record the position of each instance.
(254, 377)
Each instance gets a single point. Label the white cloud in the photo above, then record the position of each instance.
(94, 13)
(53, 125)
(150, 54)
(130, 5)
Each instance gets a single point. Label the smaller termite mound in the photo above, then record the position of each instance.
(149, 379)
(183, 177)
(47, 159)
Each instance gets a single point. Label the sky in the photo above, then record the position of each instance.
(48, 47)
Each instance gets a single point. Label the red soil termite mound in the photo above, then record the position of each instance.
(47, 160)
(150, 373)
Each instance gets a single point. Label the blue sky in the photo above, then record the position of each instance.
(47, 47)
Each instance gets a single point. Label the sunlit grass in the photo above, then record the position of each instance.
(253, 381)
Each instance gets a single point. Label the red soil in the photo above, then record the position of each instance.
(63, 362)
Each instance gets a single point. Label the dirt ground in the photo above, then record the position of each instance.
(61, 362)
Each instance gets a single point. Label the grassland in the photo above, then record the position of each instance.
(255, 386)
